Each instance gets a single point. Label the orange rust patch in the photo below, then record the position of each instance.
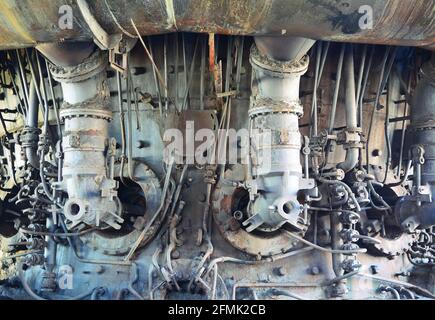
(227, 203)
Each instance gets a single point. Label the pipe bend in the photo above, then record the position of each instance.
(67, 54)
(352, 153)
(351, 160)
(283, 48)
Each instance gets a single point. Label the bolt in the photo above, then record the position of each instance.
(138, 70)
(314, 270)
(140, 144)
(202, 197)
(175, 254)
(376, 153)
(281, 271)
(238, 215)
(374, 269)
(99, 269)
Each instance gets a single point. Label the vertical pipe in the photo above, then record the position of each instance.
(336, 90)
(351, 111)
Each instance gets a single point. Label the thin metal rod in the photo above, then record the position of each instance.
(156, 70)
(359, 82)
(165, 70)
(23, 79)
(176, 53)
(55, 106)
(322, 64)
(402, 138)
(122, 126)
(159, 94)
(314, 99)
(129, 125)
(184, 63)
(202, 70)
(44, 92)
(337, 89)
(32, 71)
(192, 67)
(22, 108)
(239, 62)
(381, 84)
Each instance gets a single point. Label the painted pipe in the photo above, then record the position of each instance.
(351, 111)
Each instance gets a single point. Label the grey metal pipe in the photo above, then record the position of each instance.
(32, 117)
(32, 126)
(351, 111)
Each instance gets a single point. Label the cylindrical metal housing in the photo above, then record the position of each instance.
(419, 209)
(30, 22)
(92, 196)
(275, 140)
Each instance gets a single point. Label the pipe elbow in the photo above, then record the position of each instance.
(283, 48)
(67, 54)
(351, 160)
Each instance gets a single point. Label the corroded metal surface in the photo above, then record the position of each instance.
(28, 22)
(225, 202)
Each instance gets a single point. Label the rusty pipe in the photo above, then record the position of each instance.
(25, 23)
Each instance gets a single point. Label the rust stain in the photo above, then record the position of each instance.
(211, 52)
(227, 203)
(9, 13)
